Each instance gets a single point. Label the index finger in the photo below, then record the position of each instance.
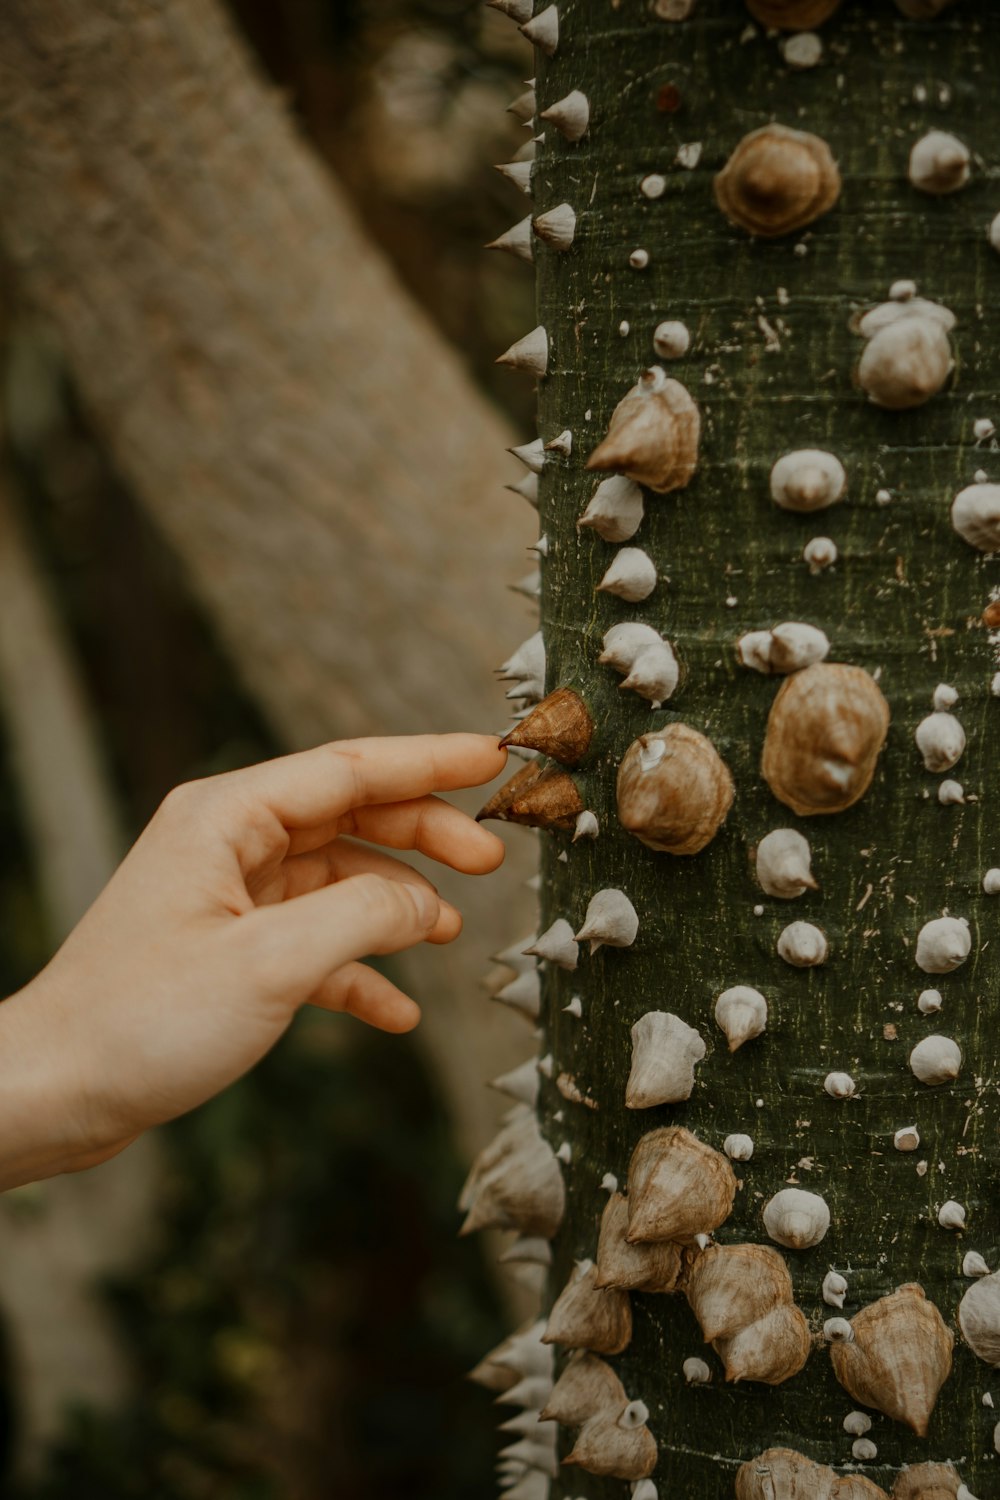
(316, 786)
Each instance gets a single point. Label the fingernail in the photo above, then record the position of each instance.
(426, 902)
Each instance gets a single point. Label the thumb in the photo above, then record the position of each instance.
(296, 944)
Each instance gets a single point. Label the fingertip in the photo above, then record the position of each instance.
(491, 755)
(494, 853)
(400, 1018)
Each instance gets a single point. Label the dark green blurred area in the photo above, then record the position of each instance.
(303, 1324)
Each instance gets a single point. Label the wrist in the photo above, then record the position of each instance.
(43, 1105)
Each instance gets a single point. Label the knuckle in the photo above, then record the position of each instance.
(183, 800)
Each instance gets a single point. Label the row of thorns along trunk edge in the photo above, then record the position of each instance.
(825, 731)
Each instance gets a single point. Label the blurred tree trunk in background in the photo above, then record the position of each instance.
(310, 448)
(302, 436)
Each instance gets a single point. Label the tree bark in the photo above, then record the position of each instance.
(300, 434)
(770, 366)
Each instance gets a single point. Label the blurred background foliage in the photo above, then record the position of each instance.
(302, 1322)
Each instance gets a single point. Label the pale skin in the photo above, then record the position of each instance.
(248, 896)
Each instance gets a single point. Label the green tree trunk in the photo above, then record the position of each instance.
(772, 366)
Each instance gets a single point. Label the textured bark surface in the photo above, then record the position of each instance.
(771, 367)
(305, 440)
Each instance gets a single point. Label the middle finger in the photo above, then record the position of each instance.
(341, 858)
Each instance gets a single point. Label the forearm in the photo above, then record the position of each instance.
(42, 1097)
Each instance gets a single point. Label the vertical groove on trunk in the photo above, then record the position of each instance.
(770, 366)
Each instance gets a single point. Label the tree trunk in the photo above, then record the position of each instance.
(771, 366)
(304, 439)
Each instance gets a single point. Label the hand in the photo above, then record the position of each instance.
(240, 902)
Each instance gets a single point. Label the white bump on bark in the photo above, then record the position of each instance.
(738, 1147)
(929, 1001)
(951, 793)
(517, 10)
(975, 515)
(521, 1083)
(653, 185)
(741, 1012)
(939, 163)
(786, 648)
(671, 339)
(689, 155)
(838, 1331)
(784, 864)
(587, 826)
(840, 1085)
(557, 227)
(631, 575)
(570, 115)
(945, 697)
(973, 1264)
(979, 1318)
(907, 357)
(543, 30)
(563, 443)
(639, 259)
(623, 643)
(634, 1415)
(951, 1215)
(524, 106)
(803, 945)
(615, 510)
(941, 741)
(906, 1138)
(696, 1371)
(991, 882)
(993, 232)
(936, 1060)
(611, 919)
(526, 669)
(530, 353)
(943, 945)
(556, 944)
(834, 1289)
(516, 241)
(532, 455)
(654, 674)
(574, 1008)
(857, 1423)
(523, 993)
(527, 488)
(665, 1050)
(995, 685)
(808, 479)
(819, 553)
(803, 50)
(864, 1450)
(983, 429)
(796, 1219)
(609, 1182)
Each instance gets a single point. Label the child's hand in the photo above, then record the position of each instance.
(240, 902)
